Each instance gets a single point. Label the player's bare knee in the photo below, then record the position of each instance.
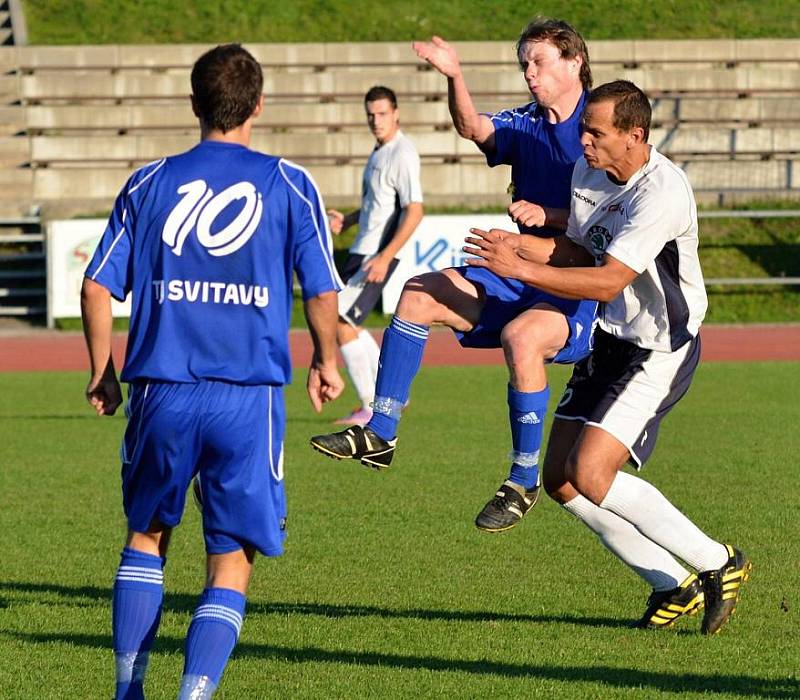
(556, 485)
(520, 345)
(419, 302)
(585, 475)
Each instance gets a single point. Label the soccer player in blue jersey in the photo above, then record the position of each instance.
(541, 142)
(206, 242)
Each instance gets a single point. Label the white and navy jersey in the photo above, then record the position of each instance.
(650, 225)
(391, 182)
(207, 242)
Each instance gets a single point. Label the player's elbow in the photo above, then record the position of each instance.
(608, 292)
(92, 291)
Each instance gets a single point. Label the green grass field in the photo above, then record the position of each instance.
(154, 21)
(386, 589)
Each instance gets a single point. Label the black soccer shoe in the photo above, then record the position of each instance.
(722, 588)
(506, 509)
(665, 607)
(359, 443)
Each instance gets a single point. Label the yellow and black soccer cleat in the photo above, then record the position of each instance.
(665, 607)
(722, 588)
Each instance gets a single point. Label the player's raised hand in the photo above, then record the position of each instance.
(495, 250)
(439, 54)
(104, 395)
(335, 221)
(324, 384)
(527, 213)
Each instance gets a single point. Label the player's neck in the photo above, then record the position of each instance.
(240, 135)
(625, 169)
(563, 108)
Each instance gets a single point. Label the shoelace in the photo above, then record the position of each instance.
(501, 502)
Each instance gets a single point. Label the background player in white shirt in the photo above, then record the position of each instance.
(391, 209)
(631, 244)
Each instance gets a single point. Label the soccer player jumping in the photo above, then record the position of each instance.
(541, 142)
(206, 242)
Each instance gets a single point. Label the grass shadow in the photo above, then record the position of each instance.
(184, 602)
(618, 677)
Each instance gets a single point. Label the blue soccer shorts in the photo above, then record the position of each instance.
(508, 298)
(229, 434)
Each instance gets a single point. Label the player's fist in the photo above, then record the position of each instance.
(324, 384)
(439, 54)
(527, 213)
(104, 395)
(335, 221)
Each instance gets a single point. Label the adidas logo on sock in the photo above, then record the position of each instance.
(529, 418)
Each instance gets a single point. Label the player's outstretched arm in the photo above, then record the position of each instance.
(324, 381)
(103, 391)
(468, 122)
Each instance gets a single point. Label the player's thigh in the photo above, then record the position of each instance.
(537, 332)
(159, 452)
(241, 470)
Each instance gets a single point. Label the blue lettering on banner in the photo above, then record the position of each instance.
(432, 256)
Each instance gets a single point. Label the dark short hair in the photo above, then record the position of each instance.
(561, 35)
(226, 84)
(631, 106)
(381, 92)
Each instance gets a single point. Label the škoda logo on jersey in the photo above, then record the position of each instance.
(599, 237)
(199, 209)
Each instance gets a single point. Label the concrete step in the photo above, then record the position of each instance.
(21, 292)
(37, 310)
(7, 275)
(19, 237)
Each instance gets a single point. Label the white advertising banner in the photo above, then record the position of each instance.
(70, 246)
(436, 245)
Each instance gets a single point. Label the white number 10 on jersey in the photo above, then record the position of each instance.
(200, 207)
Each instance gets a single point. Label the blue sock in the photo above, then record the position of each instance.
(211, 638)
(526, 413)
(136, 612)
(401, 356)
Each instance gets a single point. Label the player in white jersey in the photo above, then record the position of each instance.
(631, 244)
(391, 209)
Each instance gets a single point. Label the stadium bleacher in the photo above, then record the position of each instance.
(75, 120)
(101, 110)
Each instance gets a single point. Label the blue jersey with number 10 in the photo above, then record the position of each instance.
(207, 242)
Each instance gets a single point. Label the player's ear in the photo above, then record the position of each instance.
(259, 107)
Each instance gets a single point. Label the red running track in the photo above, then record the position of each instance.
(53, 350)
